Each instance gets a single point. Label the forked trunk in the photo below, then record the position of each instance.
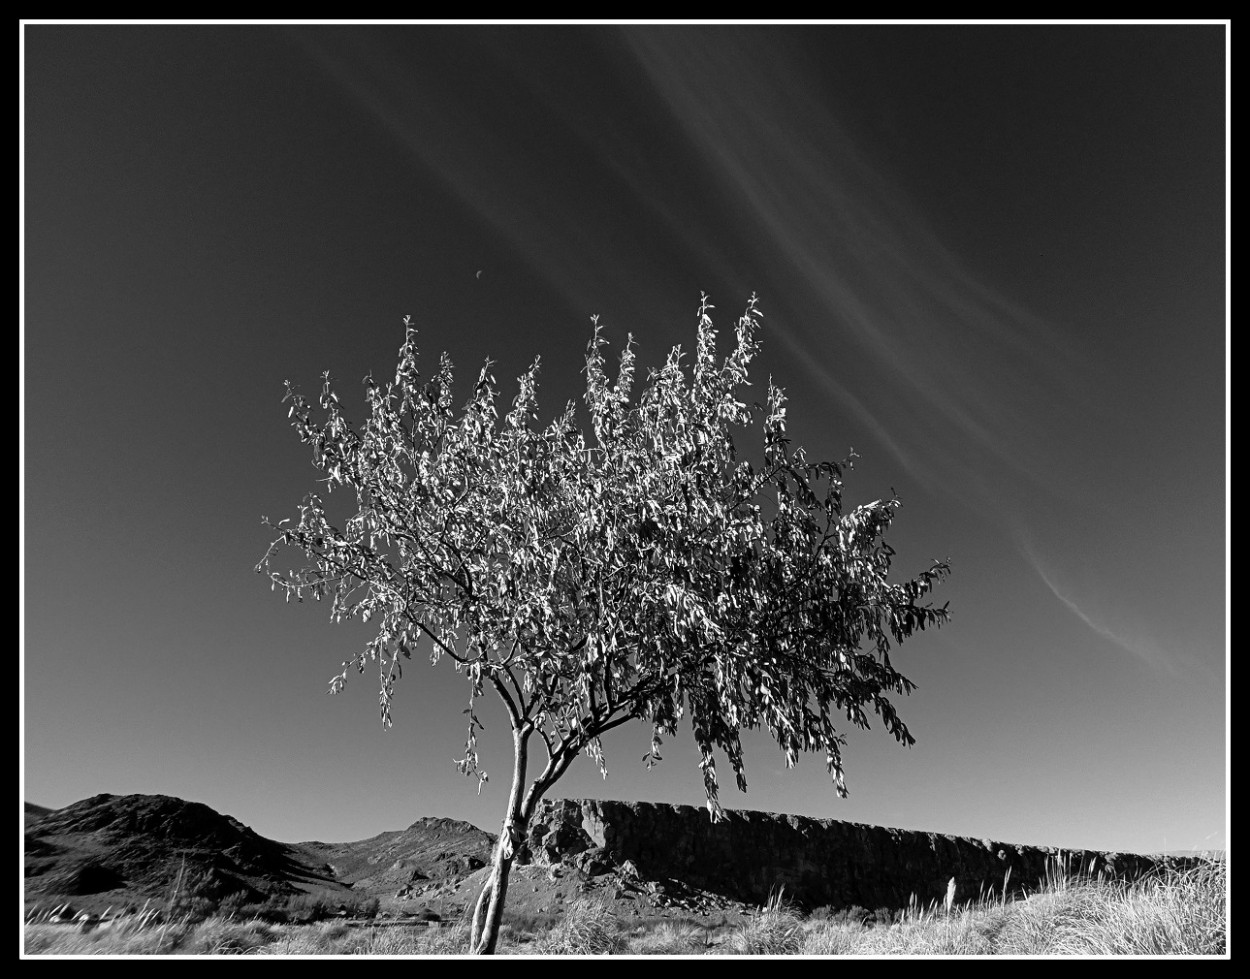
(488, 912)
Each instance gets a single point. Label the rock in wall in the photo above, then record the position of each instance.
(749, 855)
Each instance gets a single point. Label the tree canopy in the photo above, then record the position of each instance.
(631, 565)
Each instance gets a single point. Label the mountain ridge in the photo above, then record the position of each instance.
(637, 858)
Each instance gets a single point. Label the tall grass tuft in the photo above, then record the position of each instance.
(776, 930)
(587, 928)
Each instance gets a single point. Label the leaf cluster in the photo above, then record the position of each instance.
(635, 569)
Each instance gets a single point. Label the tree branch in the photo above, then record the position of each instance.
(514, 715)
(426, 629)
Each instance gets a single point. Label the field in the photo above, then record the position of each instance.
(1177, 913)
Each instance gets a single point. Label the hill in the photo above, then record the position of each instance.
(119, 850)
(143, 846)
(33, 811)
(432, 848)
(639, 859)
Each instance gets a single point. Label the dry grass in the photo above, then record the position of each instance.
(1171, 914)
(776, 930)
(587, 928)
(137, 935)
(340, 939)
(669, 938)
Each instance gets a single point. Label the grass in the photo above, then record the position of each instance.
(1175, 913)
(668, 938)
(586, 928)
(776, 930)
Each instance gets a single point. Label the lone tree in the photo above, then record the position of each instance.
(638, 570)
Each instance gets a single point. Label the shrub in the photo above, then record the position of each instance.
(524, 926)
(232, 905)
(854, 915)
(309, 908)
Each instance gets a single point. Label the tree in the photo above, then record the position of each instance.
(638, 570)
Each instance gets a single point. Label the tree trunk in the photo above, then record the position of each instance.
(490, 903)
(488, 912)
(479, 909)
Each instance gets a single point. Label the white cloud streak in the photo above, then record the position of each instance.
(1133, 641)
(961, 386)
(966, 368)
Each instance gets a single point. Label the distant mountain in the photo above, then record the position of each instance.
(127, 849)
(431, 848)
(141, 845)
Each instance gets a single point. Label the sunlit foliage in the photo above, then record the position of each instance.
(631, 565)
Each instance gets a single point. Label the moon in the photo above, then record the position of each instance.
(479, 273)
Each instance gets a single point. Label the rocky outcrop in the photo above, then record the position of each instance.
(819, 862)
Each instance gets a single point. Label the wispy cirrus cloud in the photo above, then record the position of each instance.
(952, 374)
(1134, 640)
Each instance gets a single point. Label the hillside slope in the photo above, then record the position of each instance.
(128, 849)
(145, 845)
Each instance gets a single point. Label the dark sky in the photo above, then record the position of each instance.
(991, 259)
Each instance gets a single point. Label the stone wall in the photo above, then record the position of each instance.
(748, 855)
